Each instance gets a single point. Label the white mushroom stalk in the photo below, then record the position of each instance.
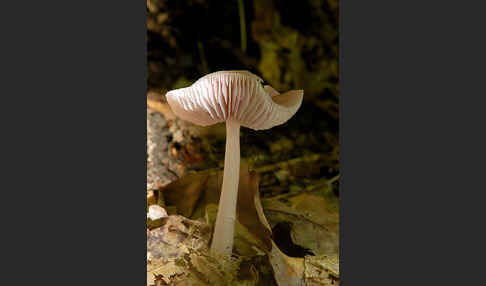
(225, 220)
(238, 98)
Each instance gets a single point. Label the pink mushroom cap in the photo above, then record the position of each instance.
(235, 95)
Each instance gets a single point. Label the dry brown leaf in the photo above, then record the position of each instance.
(177, 237)
(313, 225)
(248, 213)
(178, 254)
(157, 102)
(320, 270)
(151, 199)
(185, 192)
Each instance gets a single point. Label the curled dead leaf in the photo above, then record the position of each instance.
(320, 270)
(314, 224)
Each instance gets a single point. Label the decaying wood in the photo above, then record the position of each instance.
(161, 170)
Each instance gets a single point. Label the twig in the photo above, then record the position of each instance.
(335, 178)
(241, 8)
(203, 57)
(307, 158)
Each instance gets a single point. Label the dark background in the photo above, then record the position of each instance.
(288, 44)
(74, 79)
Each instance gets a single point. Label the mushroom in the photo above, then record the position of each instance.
(240, 99)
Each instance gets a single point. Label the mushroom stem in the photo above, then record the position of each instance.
(225, 220)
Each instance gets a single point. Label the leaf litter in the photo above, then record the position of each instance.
(178, 250)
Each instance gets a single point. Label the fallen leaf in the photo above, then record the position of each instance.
(216, 270)
(321, 270)
(321, 226)
(185, 192)
(247, 206)
(151, 199)
(165, 272)
(177, 237)
(157, 102)
(318, 270)
(178, 254)
(313, 225)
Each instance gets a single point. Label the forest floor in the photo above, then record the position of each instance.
(293, 168)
